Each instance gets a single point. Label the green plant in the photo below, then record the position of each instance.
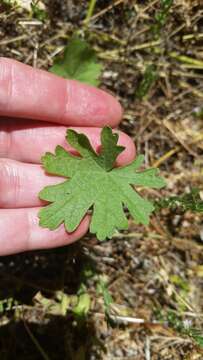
(184, 328)
(102, 289)
(95, 184)
(198, 112)
(189, 201)
(78, 62)
(37, 11)
(90, 11)
(82, 307)
(161, 16)
(7, 304)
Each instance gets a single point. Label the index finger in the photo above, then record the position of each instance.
(26, 92)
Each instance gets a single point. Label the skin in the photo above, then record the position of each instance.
(36, 108)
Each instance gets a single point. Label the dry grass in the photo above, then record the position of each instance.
(151, 271)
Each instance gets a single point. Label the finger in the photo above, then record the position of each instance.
(26, 92)
(20, 184)
(28, 142)
(28, 235)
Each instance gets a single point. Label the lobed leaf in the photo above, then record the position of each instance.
(93, 184)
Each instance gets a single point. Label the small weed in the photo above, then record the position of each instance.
(191, 201)
(149, 78)
(181, 283)
(37, 12)
(161, 16)
(102, 289)
(7, 304)
(198, 112)
(183, 327)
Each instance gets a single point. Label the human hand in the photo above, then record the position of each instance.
(36, 107)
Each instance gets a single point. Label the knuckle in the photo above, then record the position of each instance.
(6, 82)
(9, 183)
(5, 140)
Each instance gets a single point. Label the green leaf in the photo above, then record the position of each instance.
(94, 184)
(79, 62)
(198, 339)
(102, 288)
(110, 150)
(83, 305)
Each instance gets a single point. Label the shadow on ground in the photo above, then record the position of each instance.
(32, 334)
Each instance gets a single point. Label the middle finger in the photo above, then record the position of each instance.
(28, 140)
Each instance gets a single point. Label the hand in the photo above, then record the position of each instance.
(36, 107)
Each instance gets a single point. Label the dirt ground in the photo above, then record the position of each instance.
(155, 273)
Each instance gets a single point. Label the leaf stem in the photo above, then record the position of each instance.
(90, 11)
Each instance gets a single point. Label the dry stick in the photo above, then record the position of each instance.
(185, 146)
(30, 22)
(112, 53)
(165, 157)
(53, 38)
(192, 36)
(187, 60)
(126, 319)
(36, 343)
(191, 66)
(177, 30)
(196, 92)
(142, 31)
(17, 38)
(147, 349)
(185, 74)
(35, 55)
(150, 5)
(170, 153)
(107, 37)
(146, 45)
(108, 8)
